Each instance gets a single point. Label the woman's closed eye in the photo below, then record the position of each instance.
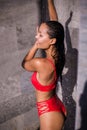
(40, 35)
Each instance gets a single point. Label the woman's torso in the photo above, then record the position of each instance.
(45, 82)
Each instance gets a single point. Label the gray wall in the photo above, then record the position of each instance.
(81, 107)
(18, 21)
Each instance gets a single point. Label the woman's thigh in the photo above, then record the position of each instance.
(51, 121)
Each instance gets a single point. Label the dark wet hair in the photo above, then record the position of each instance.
(56, 30)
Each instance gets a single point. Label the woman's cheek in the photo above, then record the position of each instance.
(40, 42)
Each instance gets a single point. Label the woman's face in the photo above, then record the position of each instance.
(42, 38)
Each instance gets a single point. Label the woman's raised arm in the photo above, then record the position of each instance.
(52, 10)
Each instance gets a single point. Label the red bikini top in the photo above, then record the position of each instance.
(41, 87)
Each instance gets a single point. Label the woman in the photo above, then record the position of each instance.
(47, 71)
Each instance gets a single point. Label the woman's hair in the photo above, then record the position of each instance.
(56, 30)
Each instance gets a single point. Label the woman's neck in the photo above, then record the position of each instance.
(49, 52)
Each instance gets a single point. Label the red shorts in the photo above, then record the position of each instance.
(52, 104)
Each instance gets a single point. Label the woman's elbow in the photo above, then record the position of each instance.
(26, 66)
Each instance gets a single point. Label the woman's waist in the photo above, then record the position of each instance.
(43, 96)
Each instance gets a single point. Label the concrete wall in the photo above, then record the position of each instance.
(81, 107)
(18, 21)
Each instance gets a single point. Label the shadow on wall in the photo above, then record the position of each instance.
(70, 78)
(83, 105)
(43, 11)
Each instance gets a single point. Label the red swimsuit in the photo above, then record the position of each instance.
(52, 104)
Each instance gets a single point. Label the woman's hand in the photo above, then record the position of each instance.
(36, 45)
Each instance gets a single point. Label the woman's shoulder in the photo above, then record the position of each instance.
(40, 64)
(45, 61)
(41, 61)
(44, 64)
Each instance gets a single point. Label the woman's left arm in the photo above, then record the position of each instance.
(52, 10)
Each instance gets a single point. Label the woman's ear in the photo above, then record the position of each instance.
(53, 41)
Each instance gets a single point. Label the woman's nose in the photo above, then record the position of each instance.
(37, 35)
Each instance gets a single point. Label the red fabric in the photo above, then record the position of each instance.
(40, 87)
(52, 104)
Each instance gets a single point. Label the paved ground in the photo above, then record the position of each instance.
(18, 21)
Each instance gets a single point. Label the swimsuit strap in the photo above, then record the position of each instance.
(53, 67)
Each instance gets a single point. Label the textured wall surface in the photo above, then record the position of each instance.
(81, 108)
(18, 21)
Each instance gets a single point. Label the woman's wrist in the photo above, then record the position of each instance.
(31, 53)
(35, 47)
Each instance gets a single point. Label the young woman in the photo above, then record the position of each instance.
(47, 71)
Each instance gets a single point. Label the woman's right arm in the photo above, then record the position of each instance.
(52, 10)
(31, 63)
